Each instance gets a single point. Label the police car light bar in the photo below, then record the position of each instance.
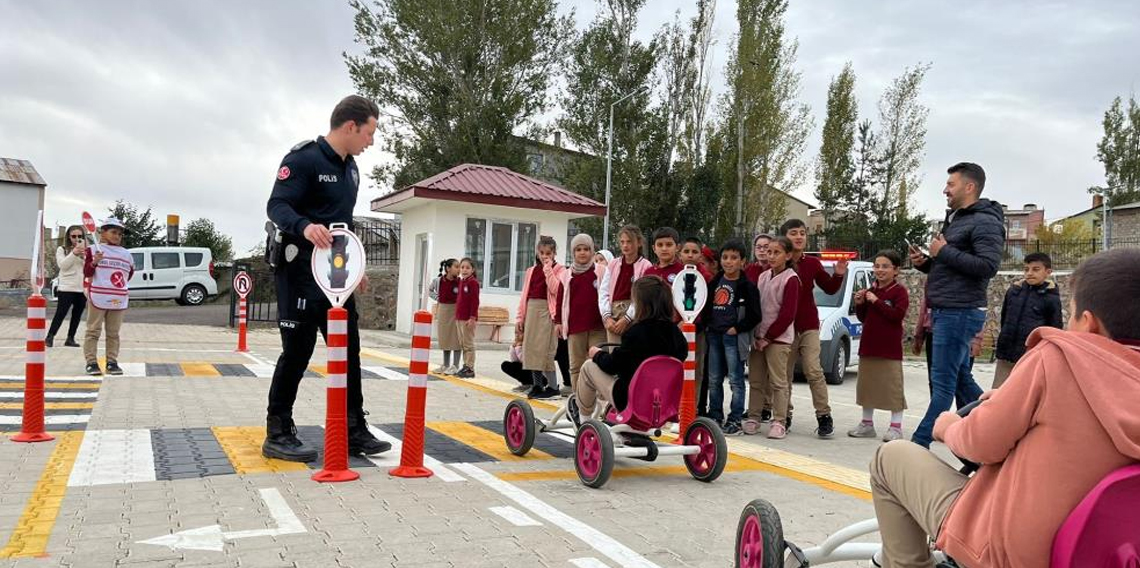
(838, 255)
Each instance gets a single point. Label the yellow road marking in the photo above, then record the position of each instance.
(50, 405)
(30, 538)
(321, 370)
(48, 385)
(199, 370)
(484, 440)
(242, 445)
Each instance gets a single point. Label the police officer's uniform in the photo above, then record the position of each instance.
(314, 185)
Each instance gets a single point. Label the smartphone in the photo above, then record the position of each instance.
(921, 249)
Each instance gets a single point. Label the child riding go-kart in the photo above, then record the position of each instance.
(624, 424)
(1058, 444)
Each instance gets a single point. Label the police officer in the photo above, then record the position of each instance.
(316, 186)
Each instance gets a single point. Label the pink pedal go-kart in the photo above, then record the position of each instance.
(654, 400)
(1103, 531)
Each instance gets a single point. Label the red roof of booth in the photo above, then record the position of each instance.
(489, 185)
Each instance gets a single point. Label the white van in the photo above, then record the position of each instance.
(839, 327)
(182, 274)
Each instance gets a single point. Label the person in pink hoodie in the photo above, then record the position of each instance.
(1063, 420)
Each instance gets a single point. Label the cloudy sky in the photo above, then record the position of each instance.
(188, 107)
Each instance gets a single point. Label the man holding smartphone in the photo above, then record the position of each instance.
(961, 260)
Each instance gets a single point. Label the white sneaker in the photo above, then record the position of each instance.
(451, 370)
(863, 430)
(892, 434)
(440, 369)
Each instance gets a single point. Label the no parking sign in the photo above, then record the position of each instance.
(339, 269)
(243, 284)
(689, 293)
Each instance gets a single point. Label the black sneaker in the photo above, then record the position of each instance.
(466, 373)
(765, 415)
(361, 441)
(733, 429)
(48, 340)
(826, 426)
(70, 342)
(573, 411)
(788, 421)
(113, 368)
(93, 370)
(545, 394)
(281, 442)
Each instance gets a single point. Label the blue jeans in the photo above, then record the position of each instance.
(950, 372)
(724, 359)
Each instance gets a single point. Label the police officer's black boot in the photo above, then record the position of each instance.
(281, 441)
(360, 440)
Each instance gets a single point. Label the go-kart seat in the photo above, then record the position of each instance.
(1102, 531)
(654, 395)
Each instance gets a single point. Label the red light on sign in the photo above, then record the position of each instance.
(838, 255)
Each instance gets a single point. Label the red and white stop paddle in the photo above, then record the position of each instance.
(89, 225)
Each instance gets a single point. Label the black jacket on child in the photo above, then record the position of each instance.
(642, 340)
(1025, 309)
(745, 311)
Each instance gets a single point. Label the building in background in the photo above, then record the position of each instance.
(1021, 224)
(22, 193)
(488, 213)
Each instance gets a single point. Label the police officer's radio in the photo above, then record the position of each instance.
(274, 252)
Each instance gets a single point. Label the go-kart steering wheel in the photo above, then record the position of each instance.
(968, 467)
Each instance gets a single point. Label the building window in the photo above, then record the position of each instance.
(502, 251)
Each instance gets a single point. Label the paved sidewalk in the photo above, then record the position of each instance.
(175, 448)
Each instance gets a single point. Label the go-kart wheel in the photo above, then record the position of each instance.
(518, 427)
(707, 464)
(759, 537)
(594, 454)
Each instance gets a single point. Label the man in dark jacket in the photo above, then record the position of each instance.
(963, 258)
(1030, 303)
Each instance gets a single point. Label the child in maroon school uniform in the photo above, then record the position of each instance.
(580, 321)
(882, 310)
(467, 315)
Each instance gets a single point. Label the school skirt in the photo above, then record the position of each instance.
(539, 342)
(446, 334)
(880, 384)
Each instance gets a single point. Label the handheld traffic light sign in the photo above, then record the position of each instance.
(339, 269)
(689, 293)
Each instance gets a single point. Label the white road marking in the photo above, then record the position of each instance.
(561, 436)
(133, 369)
(77, 378)
(386, 373)
(588, 562)
(391, 458)
(256, 358)
(515, 516)
(212, 538)
(113, 456)
(598, 540)
(50, 419)
(261, 371)
(49, 395)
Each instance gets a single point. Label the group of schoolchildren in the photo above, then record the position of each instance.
(758, 320)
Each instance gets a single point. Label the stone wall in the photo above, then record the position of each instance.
(1126, 226)
(915, 281)
(377, 306)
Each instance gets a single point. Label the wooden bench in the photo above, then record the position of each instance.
(494, 317)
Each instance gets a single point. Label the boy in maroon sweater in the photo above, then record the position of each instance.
(665, 243)
(806, 346)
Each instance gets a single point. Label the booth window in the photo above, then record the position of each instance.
(502, 251)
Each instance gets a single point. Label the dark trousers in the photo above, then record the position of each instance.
(74, 301)
(298, 338)
(562, 359)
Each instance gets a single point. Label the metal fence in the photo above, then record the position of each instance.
(1065, 255)
(381, 239)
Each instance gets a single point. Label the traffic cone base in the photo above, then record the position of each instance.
(410, 471)
(33, 437)
(331, 476)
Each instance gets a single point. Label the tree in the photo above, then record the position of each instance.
(605, 64)
(201, 233)
(142, 227)
(762, 116)
(835, 168)
(1119, 153)
(455, 79)
(902, 121)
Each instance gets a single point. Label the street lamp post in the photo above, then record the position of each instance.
(610, 164)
